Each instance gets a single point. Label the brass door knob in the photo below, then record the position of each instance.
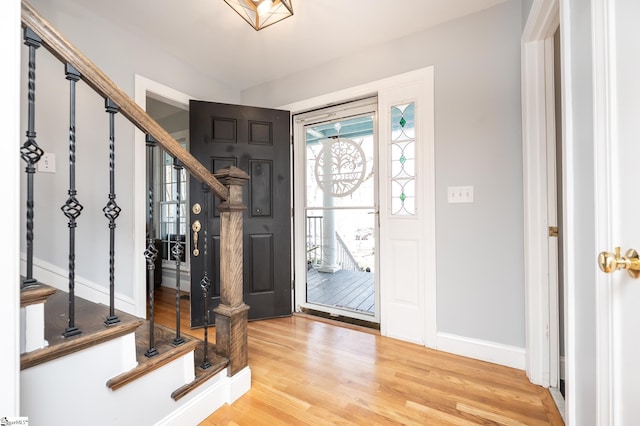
(195, 227)
(610, 262)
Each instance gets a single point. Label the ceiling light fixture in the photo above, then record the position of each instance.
(262, 13)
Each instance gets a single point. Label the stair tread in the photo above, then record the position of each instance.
(217, 362)
(35, 294)
(167, 352)
(89, 319)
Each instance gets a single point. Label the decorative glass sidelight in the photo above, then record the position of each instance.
(403, 158)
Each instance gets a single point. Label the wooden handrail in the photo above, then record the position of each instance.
(66, 52)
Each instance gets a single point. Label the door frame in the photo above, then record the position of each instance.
(607, 208)
(143, 87)
(538, 127)
(542, 18)
(421, 78)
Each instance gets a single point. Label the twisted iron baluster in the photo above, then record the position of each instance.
(30, 151)
(151, 253)
(205, 282)
(177, 250)
(72, 207)
(111, 210)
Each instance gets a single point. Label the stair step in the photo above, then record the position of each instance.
(89, 319)
(217, 362)
(35, 294)
(167, 352)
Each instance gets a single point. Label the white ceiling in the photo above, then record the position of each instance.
(210, 36)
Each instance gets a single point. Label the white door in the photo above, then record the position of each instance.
(617, 121)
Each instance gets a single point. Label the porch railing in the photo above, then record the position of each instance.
(345, 257)
(226, 184)
(315, 245)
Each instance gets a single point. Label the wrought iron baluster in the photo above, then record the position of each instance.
(177, 249)
(205, 282)
(151, 253)
(30, 151)
(72, 207)
(111, 210)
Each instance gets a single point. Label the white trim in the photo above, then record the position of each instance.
(59, 278)
(552, 213)
(144, 87)
(543, 20)
(606, 201)
(10, 174)
(226, 391)
(569, 211)
(541, 25)
(362, 91)
(32, 328)
(509, 356)
(560, 402)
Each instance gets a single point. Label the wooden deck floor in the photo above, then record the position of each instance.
(352, 290)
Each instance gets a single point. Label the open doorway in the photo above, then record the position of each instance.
(170, 219)
(341, 213)
(556, 246)
(169, 108)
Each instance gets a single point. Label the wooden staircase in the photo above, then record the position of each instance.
(81, 348)
(98, 372)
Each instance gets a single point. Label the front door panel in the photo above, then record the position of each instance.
(256, 140)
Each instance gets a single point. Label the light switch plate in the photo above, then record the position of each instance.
(460, 194)
(47, 163)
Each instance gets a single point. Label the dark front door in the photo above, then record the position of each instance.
(256, 140)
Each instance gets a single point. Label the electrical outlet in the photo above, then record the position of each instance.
(47, 163)
(460, 194)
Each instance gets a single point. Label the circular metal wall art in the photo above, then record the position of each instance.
(340, 167)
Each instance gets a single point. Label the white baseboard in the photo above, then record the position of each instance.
(225, 391)
(59, 278)
(509, 356)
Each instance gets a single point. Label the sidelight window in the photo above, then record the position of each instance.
(403, 160)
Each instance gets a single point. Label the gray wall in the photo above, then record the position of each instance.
(526, 8)
(480, 278)
(121, 55)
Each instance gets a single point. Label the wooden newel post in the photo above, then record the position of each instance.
(232, 313)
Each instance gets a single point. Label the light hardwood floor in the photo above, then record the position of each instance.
(308, 371)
